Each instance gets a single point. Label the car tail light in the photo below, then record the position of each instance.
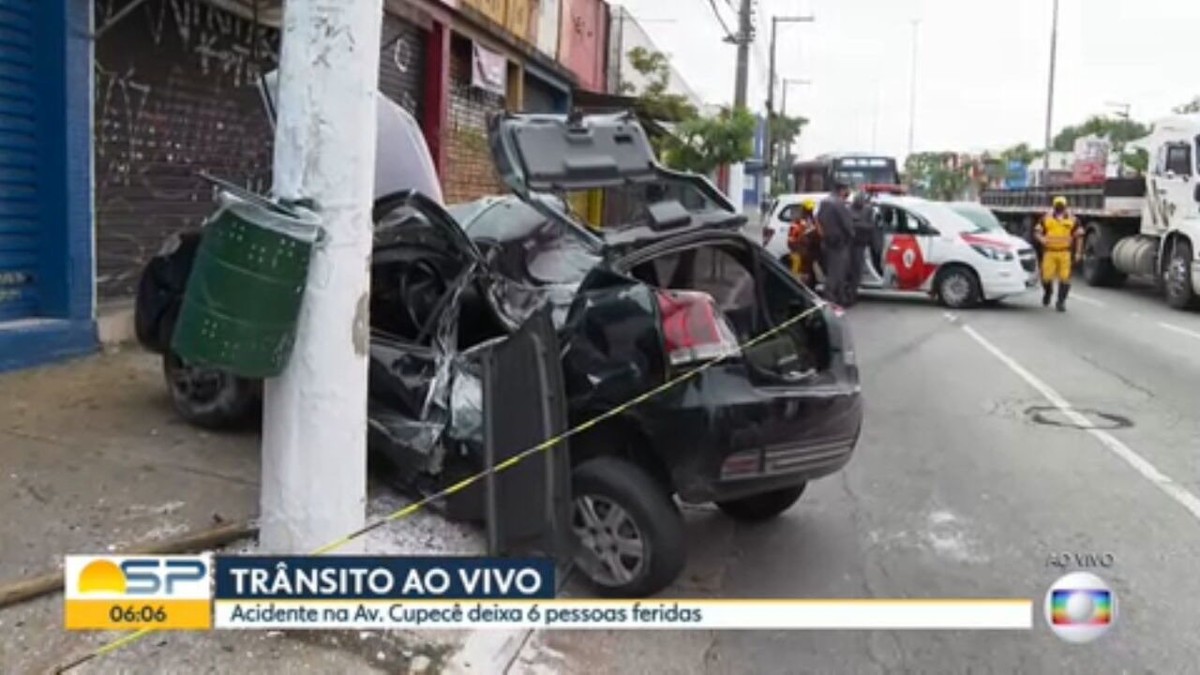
(693, 328)
(742, 465)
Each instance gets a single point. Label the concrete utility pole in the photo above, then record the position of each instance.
(1050, 88)
(768, 141)
(743, 40)
(315, 418)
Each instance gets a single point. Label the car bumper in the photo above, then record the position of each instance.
(1008, 281)
(729, 439)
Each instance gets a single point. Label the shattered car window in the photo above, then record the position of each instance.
(524, 245)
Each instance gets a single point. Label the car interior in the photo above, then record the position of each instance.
(727, 273)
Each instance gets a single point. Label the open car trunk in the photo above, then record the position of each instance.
(752, 295)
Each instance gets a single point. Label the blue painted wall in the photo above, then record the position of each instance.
(64, 326)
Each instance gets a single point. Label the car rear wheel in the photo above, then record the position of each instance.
(764, 506)
(958, 288)
(210, 398)
(629, 533)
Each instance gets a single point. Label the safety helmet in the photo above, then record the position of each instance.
(809, 205)
(1060, 201)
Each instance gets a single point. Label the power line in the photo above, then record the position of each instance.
(720, 19)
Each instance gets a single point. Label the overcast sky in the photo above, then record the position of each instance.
(982, 65)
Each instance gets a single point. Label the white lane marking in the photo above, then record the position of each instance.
(1086, 299)
(1174, 490)
(1181, 331)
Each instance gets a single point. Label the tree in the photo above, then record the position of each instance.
(697, 143)
(937, 175)
(784, 132)
(655, 100)
(1119, 131)
(1020, 152)
(702, 144)
(1192, 106)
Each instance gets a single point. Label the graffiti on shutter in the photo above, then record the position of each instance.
(176, 94)
(402, 63)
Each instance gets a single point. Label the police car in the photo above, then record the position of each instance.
(928, 247)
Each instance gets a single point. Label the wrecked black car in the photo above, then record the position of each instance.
(674, 288)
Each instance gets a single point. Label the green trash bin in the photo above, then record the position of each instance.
(246, 286)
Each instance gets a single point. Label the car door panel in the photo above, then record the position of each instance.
(908, 252)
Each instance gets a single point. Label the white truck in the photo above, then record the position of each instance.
(1142, 227)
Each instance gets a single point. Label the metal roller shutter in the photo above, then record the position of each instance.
(539, 97)
(19, 198)
(176, 93)
(402, 63)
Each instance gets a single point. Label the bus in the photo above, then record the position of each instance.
(856, 170)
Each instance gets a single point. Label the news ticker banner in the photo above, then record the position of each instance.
(364, 592)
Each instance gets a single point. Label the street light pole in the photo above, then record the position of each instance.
(314, 444)
(768, 142)
(1123, 107)
(784, 108)
(912, 90)
(1050, 88)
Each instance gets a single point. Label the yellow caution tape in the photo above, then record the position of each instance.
(470, 480)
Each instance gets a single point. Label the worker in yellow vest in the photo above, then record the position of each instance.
(803, 239)
(1062, 245)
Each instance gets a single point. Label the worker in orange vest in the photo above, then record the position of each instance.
(803, 239)
(1061, 239)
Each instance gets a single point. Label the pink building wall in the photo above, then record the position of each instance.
(583, 42)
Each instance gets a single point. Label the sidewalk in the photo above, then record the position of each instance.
(95, 460)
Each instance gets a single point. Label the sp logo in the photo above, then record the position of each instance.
(150, 577)
(141, 575)
(909, 258)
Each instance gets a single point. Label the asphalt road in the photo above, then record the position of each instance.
(968, 479)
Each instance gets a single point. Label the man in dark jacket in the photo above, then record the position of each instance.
(864, 229)
(837, 228)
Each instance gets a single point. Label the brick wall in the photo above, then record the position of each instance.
(469, 172)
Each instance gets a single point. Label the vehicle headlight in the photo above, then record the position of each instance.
(999, 255)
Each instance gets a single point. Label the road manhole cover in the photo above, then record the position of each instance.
(1096, 419)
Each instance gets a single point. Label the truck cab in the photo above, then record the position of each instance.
(1143, 227)
(1170, 220)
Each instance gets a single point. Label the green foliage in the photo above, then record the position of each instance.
(936, 175)
(699, 144)
(1118, 131)
(702, 144)
(655, 100)
(1019, 153)
(1192, 106)
(785, 130)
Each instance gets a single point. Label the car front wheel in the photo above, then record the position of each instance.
(629, 533)
(763, 506)
(958, 288)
